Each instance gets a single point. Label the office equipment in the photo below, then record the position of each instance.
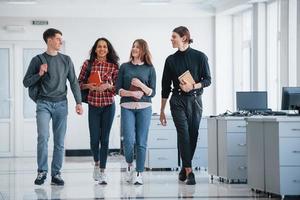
(274, 154)
(227, 149)
(273, 113)
(291, 99)
(200, 159)
(252, 101)
(162, 145)
(212, 139)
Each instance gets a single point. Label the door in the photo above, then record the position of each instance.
(26, 133)
(6, 101)
(18, 132)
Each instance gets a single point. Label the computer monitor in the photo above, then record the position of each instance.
(290, 98)
(252, 101)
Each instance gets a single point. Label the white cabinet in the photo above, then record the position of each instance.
(232, 149)
(274, 154)
(162, 145)
(162, 151)
(282, 156)
(200, 159)
(212, 139)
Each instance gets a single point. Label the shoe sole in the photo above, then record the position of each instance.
(192, 183)
(38, 183)
(57, 184)
(182, 179)
(103, 183)
(137, 183)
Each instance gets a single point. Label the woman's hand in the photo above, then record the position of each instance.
(137, 94)
(101, 87)
(137, 83)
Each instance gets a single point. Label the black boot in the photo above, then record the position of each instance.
(190, 180)
(182, 175)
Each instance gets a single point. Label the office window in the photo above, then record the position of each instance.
(242, 37)
(273, 57)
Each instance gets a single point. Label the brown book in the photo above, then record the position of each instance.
(187, 77)
(134, 88)
(95, 78)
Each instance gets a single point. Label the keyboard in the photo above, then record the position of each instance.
(274, 113)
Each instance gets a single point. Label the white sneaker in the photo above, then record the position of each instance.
(138, 178)
(102, 178)
(129, 174)
(96, 173)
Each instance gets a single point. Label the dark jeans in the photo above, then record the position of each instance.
(186, 112)
(100, 122)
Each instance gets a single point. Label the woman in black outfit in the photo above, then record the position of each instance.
(185, 102)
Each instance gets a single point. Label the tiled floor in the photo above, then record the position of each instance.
(17, 176)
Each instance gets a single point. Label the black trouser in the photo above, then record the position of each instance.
(186, 112)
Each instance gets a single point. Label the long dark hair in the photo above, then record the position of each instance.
(112, 55)
(184, 31)
(145, 52)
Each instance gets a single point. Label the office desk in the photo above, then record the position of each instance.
(227, 152)
(274, 154)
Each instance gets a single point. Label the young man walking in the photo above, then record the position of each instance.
(49, 73)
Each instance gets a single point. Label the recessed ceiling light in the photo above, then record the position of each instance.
(21, 2)
(155, 2)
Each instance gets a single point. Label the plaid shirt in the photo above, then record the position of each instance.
(109, 74)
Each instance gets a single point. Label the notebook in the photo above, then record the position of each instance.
(95, 78)
(187, 77)
(134, 88)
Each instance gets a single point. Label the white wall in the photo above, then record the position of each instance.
(80, 34)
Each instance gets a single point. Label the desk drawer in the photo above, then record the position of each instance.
(200, 158)
(237, 167)
(289, 151)
(162, 139)
(202, 138)
(156, 125)
(290, 180)
(162, 158)
(236, 126)
(289, 129)
(203, 123)
(236, 144)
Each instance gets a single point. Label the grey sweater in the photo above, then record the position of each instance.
(145, 73)
(53, 83)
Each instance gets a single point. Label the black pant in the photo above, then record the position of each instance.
(186, 112)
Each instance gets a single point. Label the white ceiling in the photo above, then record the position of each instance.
(114, 8)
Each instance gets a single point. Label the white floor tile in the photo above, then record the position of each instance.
(17, 176)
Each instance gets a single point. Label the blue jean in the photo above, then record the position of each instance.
(100, 122)
(135, 127)
(58, 112)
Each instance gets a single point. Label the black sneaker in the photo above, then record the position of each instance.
(41, 177)
(182, 175)
(57, 180)
(190, 180)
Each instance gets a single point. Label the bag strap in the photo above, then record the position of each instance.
(43, 61)
(88, 70)
(42, 58)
